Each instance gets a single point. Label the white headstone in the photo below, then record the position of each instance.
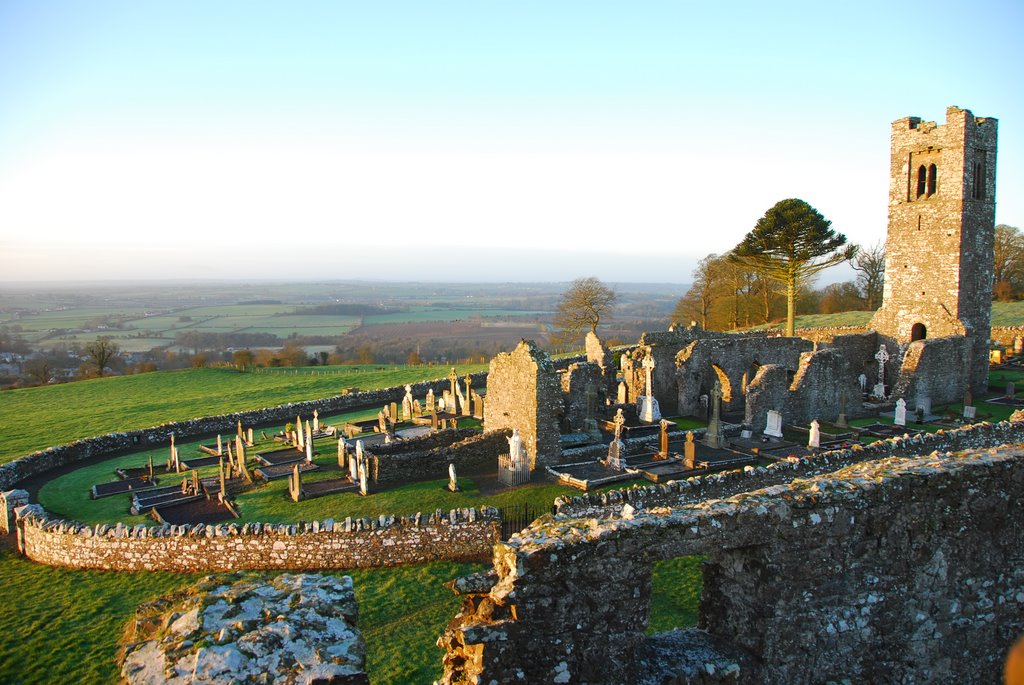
(647, 409)
(814, 439)
(353, 468)
(359, 450)
(773, 427)
(363, 489)
(900, 417)
(622, 393)
(970, 412)
(879, 390)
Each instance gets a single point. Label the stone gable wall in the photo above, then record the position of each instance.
(523, 393)
(459, 535)
(861, 574)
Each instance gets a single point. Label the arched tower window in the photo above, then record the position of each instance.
(918, 332)
(922, 180)
(933, 172)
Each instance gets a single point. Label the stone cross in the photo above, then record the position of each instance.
(453, 378)
(900, 416)
(841, 419)
(882, 356)
(648, 366)
(407, 404)
(713, 437)
(619, 421)
(814, 439)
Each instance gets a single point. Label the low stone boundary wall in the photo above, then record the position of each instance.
(894, 570)
(14, 472)
(457, 535)
(728, 483)
(470, 452)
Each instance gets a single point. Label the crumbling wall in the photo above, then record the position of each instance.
(575, 381)
(863, 574)
(663, 346)
(859, 351)
(935, 368)
(738, 357)
(813, 393)
(460, 534)
(523, 393)
(470, 452)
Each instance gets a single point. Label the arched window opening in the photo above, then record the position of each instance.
(723, 381)
(918, 332)
(933, 172)
(922, 180)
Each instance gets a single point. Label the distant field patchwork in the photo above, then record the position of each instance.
(137, 330)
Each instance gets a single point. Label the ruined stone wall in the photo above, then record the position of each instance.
(930, 369)
(523, 393)
(864, 574)
(15, 471)
(939, 247)
(469, 451)
(858, 349)
(574, 383)
(664, 347)
(814, 392)
(736, 358)
(461, 535)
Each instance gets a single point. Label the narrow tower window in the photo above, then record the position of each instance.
(979, 180)
(922, 176)
(932, 173)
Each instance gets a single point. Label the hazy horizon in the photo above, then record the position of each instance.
(459, 141)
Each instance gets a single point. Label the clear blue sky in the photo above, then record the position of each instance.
(466, 141)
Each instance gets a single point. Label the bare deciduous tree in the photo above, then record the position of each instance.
(870, 267)
(582, 307)
(101, 351)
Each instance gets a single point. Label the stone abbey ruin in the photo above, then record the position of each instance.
(827, 559)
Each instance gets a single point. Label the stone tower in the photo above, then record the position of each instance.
(938, 266)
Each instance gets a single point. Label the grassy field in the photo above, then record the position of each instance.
(36, 418)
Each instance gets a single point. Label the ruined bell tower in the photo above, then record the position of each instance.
(938, 263)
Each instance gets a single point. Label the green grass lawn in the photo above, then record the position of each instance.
(36, 418)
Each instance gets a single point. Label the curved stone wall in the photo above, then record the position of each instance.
(458, 535)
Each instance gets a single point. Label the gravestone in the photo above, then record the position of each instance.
(714, 437)
(467, 409)
(814, 438)
(690, 451)
(363, 486)
(393, 413)
(924, 406)
(342, 452)
(841, 419)
(773, 427)
(663, 446)
(430, 400)
(220, 446)
(1011, 390)
(300, 439)
(1018, 344)
(900, 417)
(316, 421)
(407, 404)
(249, 442)
(433, 420)
(353, 468)
(995, 356)
(295, 483)
(647, 407)
(417, 408)
(309, 443)
(615, 448)
(623, 393)
(970, 412)
(453, 482)
(862, 381)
